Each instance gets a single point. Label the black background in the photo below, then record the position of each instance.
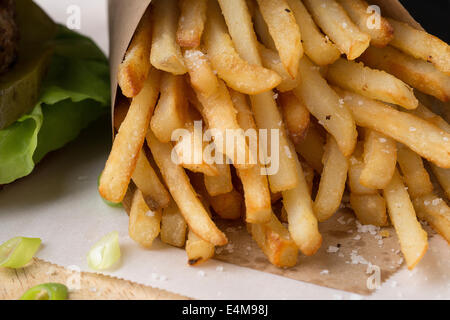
(433, 15)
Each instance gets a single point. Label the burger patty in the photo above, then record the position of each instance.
(9, 34)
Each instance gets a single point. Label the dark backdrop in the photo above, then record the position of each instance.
(433, 15)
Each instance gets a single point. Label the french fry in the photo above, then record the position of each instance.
(369, 208)
(419, 135)
(443, 176)
(255, 185)
(128, 142)
(309, 175)
(144, 224)
(271, 60)
(228, 205)
(414, 173)
(261, 28)
(436, 212)
(374, 84)
(134, 69)
(182, 192)
(171, 111)
(166, 53)
(295, 115)
(380, 159)
(240, 27)
(173, 226)
(413, 239)
(191, 23)
(236, 72)
(311, 148)
(354, 174)
(221, 183)
(217, 107)
(264, 108)
(317, 46)
(332, 182)
(146, 180)
(303, 225)
(284, 31)
(274, 240)
(144, 176)
(190, 146)
(325, 105)
(334, 21)
(423, 112)
(415, 72)
(421, 45)
(197, 249)
(379, 29)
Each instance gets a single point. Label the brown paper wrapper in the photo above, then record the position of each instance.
(347, 269)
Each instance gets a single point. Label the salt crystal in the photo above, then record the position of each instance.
(357, 237)
(382, 140)
(341, 220)
(412, 129)
(332, 249)
(150, 213)
(324, 272)
(201, 273)
(219, 269)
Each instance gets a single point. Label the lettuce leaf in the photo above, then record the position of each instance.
(75, 92)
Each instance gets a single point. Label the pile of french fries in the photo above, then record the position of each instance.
(339, 91)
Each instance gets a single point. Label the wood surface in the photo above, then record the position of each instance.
(85, 286)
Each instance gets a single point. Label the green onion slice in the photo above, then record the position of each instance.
(18, 251)
(109, 203)
(46, 291)
(105, 253)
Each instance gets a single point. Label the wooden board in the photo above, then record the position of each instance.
(86, 286)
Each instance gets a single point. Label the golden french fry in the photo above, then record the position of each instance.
(236, 72)
(182, 192)
(436, 212)
(217, 107)
(221, 183)
(295, 115)
(374, 84)
(264, 107)
(171, 111)
(128, 142)
(443, 176)
(173, 226)
(271, 60)
(332, 182)
(144, 176)
(419, 135)
(354, 174)
(334, 21)
(134, 69)
(284, 31)
(325, 105)
(261, 28)
(311, 148)
(274, 240)
(380, 159)
(415, 72)
(421, 45)
(414, 173)
(317, 46)
(197, 249)
(423, 112)
(166, 53)
(368, 21)
(147, 181)
(413, 239)
(228, 205)
(303, 225)
(144, 224)
(309, 175)
(369, 208)
(191, 23)
(256, 187)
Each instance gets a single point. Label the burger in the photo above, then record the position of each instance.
(53, 83)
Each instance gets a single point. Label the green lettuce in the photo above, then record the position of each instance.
(75, 92)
